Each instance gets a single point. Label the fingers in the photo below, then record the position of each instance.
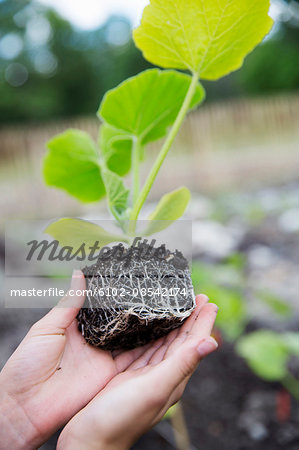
(124, 359)
(153, 353)
(143, 360)
(204, 323)
(156, 353)
(176, 369)
(205, 348)
(180, 333)
(199, 328)
(158, 356)
(62, 315)
(201, 300)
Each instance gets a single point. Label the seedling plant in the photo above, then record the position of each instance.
(191, 41)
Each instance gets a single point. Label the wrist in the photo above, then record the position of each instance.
(16, 430)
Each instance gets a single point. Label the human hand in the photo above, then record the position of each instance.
(138, 397)
(52, 375)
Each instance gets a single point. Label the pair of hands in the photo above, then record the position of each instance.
(106, 399)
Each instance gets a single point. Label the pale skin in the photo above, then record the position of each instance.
(54, 376)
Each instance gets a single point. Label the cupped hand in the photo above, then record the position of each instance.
(147, 384)
(53, 374)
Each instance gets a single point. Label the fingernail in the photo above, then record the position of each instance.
(216, 308)
(76, 279)
(77, 273)
(207, 346)
(206, 298)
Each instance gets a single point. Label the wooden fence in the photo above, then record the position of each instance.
(221, 126)
(222, 145)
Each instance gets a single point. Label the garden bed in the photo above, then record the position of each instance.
(227, 407)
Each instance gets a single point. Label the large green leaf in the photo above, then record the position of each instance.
(145, 106)
(210, 37)
(117, 193)
(72, 164)
(170, 208)
(75, 232)
(266, 353)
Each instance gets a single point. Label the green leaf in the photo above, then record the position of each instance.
(276, 304)
(116, 147)
(232, 316)
(72, 164)
(75, 232)
(208, 37)
(170, 208)
(292, 342)
(203, 275)
(145, 106)
(117, 193)
(266, 353)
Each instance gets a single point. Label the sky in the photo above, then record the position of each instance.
(89, 14)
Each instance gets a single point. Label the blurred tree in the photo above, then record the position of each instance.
(50, 69)
(274, 66)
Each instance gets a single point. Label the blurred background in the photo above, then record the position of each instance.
(238, 154)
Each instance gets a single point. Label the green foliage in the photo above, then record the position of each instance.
(77, 56)
(224, 283)
(207, 37)
(232, 316)
(292, 342)
(170, 208)
(266, 353)
(279, 74)
(116, 147)
(276, 305)
(141, 110)
(210, 39)
(117, 194)
(75, 232)
(63, 72)
(144, 106)
(72, 164)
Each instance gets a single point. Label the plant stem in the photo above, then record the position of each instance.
(165, 149)
(180, 429)
(135, 166)
(292, 385)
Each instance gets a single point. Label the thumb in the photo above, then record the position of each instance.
(63, 314)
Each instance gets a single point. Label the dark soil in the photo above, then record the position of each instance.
(228, 408)
(121, 317)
